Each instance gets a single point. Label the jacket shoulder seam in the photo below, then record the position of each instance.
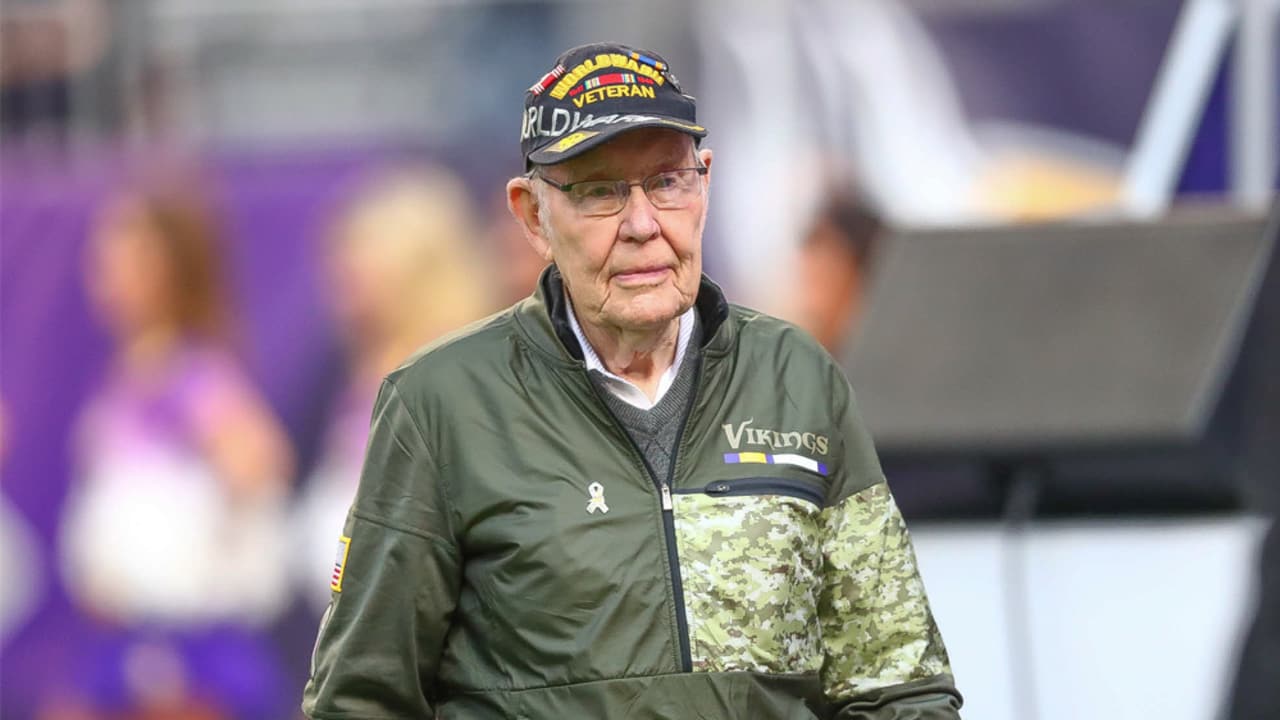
(431, 455)
(469, 332)
(417, 428)
(406, 529)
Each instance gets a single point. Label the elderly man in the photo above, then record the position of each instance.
(623, 497)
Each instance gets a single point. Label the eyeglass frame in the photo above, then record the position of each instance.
(567, 188)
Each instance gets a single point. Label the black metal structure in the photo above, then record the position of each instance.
(1107, 363)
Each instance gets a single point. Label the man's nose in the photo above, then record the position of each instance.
(639, 218)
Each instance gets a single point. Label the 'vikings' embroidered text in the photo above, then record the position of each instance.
(776, 439)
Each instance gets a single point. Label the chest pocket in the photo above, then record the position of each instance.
(750, 556)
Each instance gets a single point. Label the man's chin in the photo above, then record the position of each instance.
(647, 314)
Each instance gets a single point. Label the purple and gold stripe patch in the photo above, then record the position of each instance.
(782, 459)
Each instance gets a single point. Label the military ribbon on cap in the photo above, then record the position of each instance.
(540, 86)
(651, 62)
(596, 491)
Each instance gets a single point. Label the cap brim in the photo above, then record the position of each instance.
(583, 140)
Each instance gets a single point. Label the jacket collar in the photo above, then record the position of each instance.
(544, 318)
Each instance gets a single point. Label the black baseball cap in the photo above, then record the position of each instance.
(595, 92)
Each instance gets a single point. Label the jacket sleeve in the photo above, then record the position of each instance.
(395, 582)
(884, 657)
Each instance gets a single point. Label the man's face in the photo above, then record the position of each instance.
(640, 268)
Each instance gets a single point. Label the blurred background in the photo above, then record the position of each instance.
(1040, 234)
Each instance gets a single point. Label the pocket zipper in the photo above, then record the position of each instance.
(761, 486)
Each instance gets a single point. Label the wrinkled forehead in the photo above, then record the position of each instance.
(636, 153)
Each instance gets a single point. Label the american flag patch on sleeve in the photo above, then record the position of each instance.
(340, 564)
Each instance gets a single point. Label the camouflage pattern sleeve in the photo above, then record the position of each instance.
(883, 654)
(881, 645)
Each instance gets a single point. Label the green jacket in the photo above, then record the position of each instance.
(510, 555)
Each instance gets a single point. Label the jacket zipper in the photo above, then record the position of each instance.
(669, 524)
(668, 518)
(761, 486)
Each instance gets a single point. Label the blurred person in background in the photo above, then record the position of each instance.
(835, 269)
(173, 532)
(403, 271)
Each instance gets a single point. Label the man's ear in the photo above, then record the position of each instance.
(523, 204)
(705, 155)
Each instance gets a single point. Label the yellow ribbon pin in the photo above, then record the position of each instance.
(597, 498)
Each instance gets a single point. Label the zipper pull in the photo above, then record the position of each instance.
(666, 497)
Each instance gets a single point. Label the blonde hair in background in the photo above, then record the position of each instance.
(407, 241)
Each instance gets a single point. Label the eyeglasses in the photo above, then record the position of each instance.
(670, 190)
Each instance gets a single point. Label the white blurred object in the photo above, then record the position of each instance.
(794, 92)
(1197, 51)
(802, 96)
(762, 141)
(909, 130)
(316, 525)
(20, 567)
(1255, 120)
(1182, 89)
(156, 538)
(1125, 619)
